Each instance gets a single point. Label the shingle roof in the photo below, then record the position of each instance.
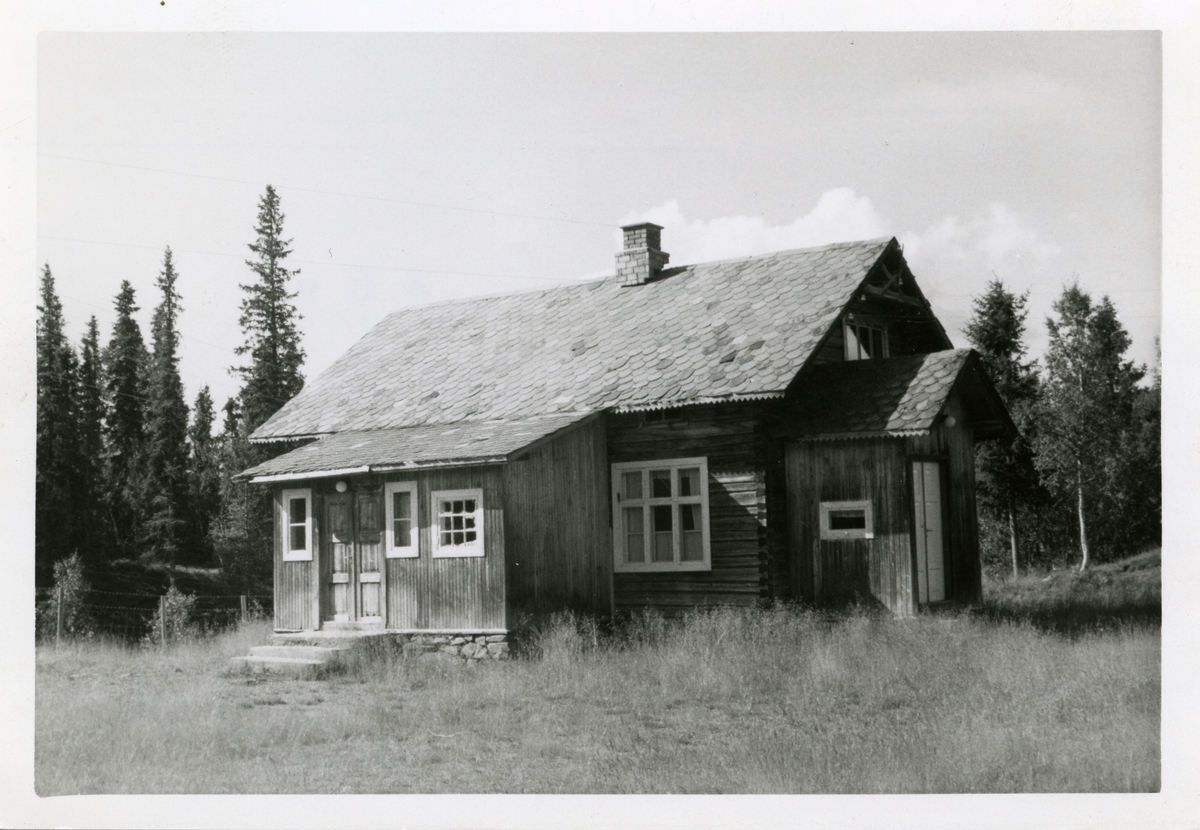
(713, 331)
(477, 442)
(895, 396)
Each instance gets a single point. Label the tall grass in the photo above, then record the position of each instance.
(725, 701)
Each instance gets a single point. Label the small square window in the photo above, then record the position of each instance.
(458, 523)
(847, 520)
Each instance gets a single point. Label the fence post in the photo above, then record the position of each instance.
(58, 609)
(245, 611)
(162, 621)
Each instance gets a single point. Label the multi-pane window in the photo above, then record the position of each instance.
(297, 525)
(400, 505)
(458, 523)
(866, 339)
(661, 515)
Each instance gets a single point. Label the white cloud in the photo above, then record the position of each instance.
(839, 216)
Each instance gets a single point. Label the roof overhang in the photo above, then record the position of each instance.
(426, 446)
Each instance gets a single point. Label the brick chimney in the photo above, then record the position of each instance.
(643, 258)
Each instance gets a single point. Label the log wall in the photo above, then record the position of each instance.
(729, 436)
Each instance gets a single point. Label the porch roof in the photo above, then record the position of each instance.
(894, 396)
(430, 445)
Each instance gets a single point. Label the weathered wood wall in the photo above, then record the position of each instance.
(557, 534)
(452, 592)
(729, 436)
(831, 572)
(955, 447)
(296, 583)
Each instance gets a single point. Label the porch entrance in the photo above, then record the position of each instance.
(928, 530)
(352, 580)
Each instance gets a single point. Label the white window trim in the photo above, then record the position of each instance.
(866, 322)
(290, 555)
(414, 533)
(674, 464)
(867, 532)
(455, 551)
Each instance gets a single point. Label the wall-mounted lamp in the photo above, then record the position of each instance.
(950, 421)
(341, 485)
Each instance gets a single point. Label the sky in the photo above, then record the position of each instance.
(415, 168)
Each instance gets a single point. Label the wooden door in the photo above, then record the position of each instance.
(368, 537)
(928, 530)
(353, 573)
(339, 600)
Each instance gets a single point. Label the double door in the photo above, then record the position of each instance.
(353, 580)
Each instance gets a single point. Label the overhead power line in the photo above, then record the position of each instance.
(306, 261)
(335, 192)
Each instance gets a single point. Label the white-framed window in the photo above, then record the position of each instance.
(847, 520)
(865, 338)
(660, 515)
(457, 522)
(297, 525)
(400, 515)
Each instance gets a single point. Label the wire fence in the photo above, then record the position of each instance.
(155, 618)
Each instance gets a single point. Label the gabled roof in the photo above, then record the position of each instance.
(716, 331)
(895, 396)
(383, 450)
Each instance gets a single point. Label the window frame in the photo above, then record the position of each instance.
(648, 502)
(287, 497)
(866, 532)
(390, 550)
(474, 549)
(866, 322)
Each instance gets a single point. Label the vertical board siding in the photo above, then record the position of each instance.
(831, 572)
(557, 534)
(729, 436)
(956, 448)
(451, 592)
(294, 581)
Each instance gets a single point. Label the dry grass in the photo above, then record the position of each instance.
(773, 701)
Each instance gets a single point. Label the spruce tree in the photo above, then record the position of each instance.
(204, 485)
(268, 322)
(165, 483)
(1007, 478)
(1086, 410)
(56, 483)
(94, 543)
(125, 361)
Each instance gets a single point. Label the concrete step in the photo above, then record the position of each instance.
(324, 653)
(302, 667)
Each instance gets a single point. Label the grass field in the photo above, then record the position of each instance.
(1019, 698)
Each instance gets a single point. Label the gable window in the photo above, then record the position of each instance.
(457, 523)
(660, 511)
(400, 529)
(865, 339)
(847, 520)
(297, 525)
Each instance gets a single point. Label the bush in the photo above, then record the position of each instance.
(70, 581)
(180, 609)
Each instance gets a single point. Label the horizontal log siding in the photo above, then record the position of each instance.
(728, 435)
(832, 572)
(557, 534)
(451, 593)
(955, 447)
(295, 582)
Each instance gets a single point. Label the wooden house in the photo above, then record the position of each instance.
(793, 426)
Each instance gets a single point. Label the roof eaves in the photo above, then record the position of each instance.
(849, 436)
(731, 398)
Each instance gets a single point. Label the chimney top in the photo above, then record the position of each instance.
(643, 258)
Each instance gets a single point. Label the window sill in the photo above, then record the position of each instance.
(404, 553)
(297, 557)
(665, 567)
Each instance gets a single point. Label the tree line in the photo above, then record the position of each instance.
(125, 469)
(1084, 475)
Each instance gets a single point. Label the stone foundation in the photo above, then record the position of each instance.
(478, 647)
